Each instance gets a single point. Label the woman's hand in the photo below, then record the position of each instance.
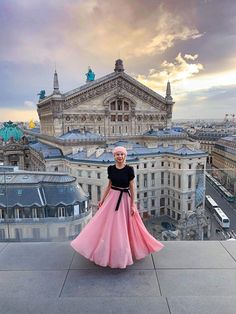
(133, 209)
(100, 203)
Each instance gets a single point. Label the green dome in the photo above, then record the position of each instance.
(9, 130)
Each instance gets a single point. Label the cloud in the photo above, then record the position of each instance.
(80, 29)
(178, 71)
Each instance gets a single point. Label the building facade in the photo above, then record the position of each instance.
(40, 206)
(114, 105)
(224, 162)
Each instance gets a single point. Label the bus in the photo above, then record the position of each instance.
(222, 219)
(220, 216)
(220, 188)
(210, 203)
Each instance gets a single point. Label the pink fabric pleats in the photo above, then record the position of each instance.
(114, 238)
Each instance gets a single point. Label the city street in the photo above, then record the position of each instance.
(228, 208)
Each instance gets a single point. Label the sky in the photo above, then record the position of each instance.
(191, 43)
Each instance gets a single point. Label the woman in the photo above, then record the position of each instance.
(116, 234)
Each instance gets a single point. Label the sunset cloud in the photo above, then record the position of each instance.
(177, 72)
(182, 41)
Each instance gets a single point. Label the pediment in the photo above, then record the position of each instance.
(121, 83)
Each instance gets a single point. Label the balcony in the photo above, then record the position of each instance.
(196, 277)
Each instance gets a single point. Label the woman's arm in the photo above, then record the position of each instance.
(105, 194)
(132, 196)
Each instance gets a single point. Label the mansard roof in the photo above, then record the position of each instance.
(30, 188)
(135, 151)
(47, 150)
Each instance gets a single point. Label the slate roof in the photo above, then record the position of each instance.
(78, 135)
(46, 150)
(135, 151)
(28, 189)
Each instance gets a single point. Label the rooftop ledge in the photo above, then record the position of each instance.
(185, 277)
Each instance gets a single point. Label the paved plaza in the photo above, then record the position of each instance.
(195, 277)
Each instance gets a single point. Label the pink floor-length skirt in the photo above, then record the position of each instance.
(114, 238)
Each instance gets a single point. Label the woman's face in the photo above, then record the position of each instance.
(119, 157)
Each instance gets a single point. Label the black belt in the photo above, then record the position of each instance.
(126, 190)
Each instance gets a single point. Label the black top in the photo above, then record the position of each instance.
(120, 177)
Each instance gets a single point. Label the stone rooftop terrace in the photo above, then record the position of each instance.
(184, 278)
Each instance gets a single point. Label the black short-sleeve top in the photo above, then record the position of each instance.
(120, 177)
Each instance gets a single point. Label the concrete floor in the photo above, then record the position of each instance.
(197, 277)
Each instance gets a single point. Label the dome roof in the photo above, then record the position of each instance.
(9, 130)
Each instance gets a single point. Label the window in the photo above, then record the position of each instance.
(144, 165)
(19, 192)
(162, 191)
(126, 106)
(2, 216)
(98, 193)
(145, 204)
(153, 202)
(190, 166)
(189, 206)
(113, 105)
(190, 181)
(18, 213)
(145, 180)
(35, 213)
(98, 175)
(89, 174)
(173, 203)
(162, 201)
(137, 195)
(179, 182)
(162, 177)
(173, 214)
(145, 194)
(113, 118)
(90, 191)
(126, 118)
(120, 118)
(178, 216)
(168, 179)
(173, 180)
(162, 163)
(179, 166)
(61, 212)
(168, 211)
(153, 179)
(178, 205)
(137, 181)
(153, 165)
(119, 104)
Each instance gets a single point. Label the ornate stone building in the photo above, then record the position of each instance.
(113, 106)
(16, 151)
